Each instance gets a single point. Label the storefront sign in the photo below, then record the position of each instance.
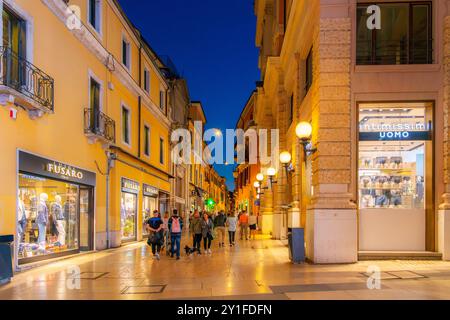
(395, 136)
(130, 186)
(30, 163)
(149, 191)
(395, 131)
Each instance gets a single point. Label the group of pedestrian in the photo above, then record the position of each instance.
(203, 226)
(160, 230)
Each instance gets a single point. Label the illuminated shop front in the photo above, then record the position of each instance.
(150, 204)
(54, 209)
(395, 181)
(128, 209)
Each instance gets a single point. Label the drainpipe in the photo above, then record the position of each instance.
(110, 158)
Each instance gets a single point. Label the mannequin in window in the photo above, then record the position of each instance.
(42, 218)
(21, 219)
(57, 213)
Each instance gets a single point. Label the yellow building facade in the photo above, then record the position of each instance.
(87, 151)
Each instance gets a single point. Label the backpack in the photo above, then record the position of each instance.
(176, 228)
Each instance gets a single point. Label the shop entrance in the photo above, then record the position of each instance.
(128, 209)
(55, 210)
(395, 177)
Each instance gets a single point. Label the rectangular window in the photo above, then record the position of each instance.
(94, 105)
(146, 140)
(162, 100)
(161, 150)
(125, 125)
(309, 71)
(126, 53)
(146, 80)
(94, 14)
(405, 36)
(291, 109)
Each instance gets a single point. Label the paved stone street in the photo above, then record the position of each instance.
(257, 269)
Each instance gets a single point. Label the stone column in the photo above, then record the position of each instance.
(280, 188)
(331, 223)
(444, 208)
(294, 217)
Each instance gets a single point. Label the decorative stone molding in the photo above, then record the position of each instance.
(445, 205)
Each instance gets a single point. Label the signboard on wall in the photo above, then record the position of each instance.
(130, 186)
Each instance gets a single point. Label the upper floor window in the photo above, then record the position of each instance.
(291, 109)
(146, 80)
(126, 54)
(147, 140)
(405, 36)
(126, 125)
(162, 99)
(309, 71)
(94, 14)
(161, 150)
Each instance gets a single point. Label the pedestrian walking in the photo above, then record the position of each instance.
(219, 224)
(243, 223)
(196, 230)
(155, 227)
(231, 224)
(253, 223)
(175, 224)
(207, 229)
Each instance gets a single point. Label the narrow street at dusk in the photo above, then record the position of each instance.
(253, 270)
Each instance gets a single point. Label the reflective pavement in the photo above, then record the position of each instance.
(258, 269)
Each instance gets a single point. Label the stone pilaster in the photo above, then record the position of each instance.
(331, 224)
(444, 208)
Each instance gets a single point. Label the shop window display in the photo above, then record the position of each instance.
(128, 215)
(392, 158)
(149, 205)
(47, 216)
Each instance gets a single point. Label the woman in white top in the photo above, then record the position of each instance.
(231, 224)
(253, 221)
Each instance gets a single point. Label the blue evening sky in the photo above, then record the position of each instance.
(212, 43)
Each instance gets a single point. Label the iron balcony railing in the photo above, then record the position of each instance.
(394, 52)
(100, 125)
(27, 79)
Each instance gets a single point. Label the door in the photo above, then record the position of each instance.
(14, 49)
(86, 218)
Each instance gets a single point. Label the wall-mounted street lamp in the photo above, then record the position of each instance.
(285, 159)
(259, 177)
(304, 132)
(271, 172)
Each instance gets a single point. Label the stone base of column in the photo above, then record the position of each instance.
(331, 235)
(277, 225)
(294, 218)
(444, 234)
(267, 223)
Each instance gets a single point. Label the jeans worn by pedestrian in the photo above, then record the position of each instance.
(175, 239)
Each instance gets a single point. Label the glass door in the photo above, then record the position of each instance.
(86, 218)
(128, 216)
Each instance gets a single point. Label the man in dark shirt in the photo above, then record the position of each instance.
(155, 227)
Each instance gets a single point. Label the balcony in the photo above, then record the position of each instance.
(99, 127)
(25, 85)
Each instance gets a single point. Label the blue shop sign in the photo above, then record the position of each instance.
(395, 136)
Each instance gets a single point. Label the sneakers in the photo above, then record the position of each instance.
(209, 251)
(157, 256)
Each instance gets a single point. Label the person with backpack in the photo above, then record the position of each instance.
(155, 226)
(219, 224)
(175, 227)
(196, 230)
(207, 229)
